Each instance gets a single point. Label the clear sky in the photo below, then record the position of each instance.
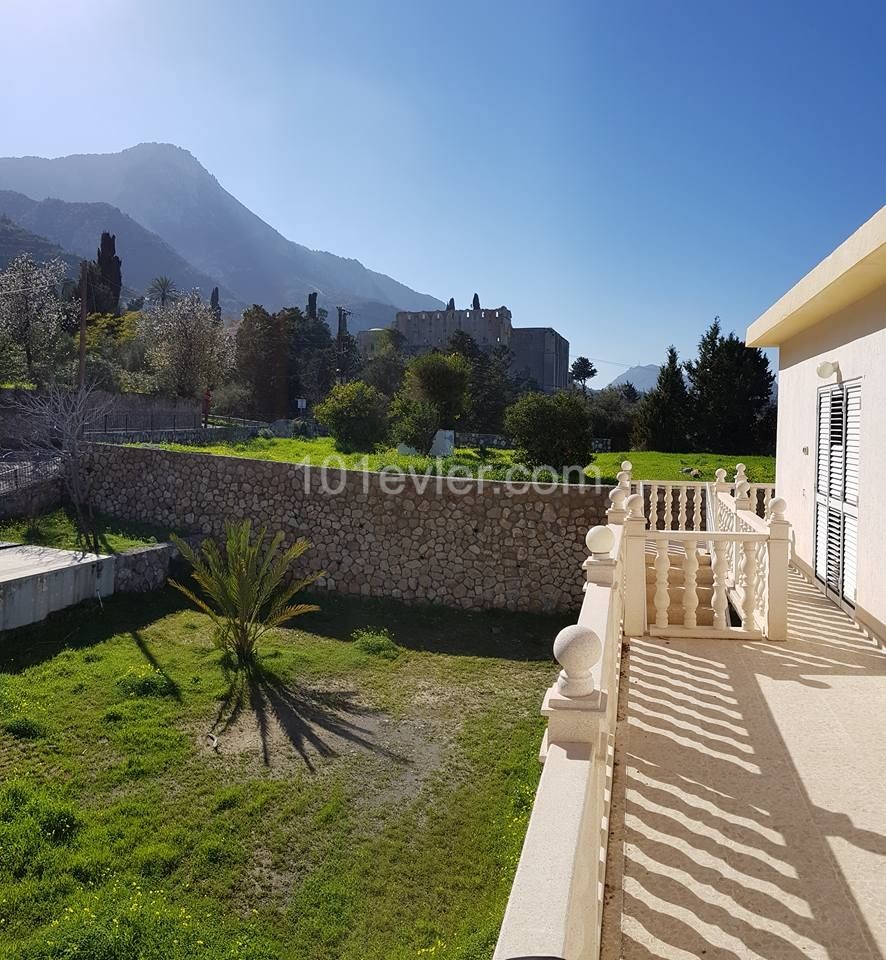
(621, 171)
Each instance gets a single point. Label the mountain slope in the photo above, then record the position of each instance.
(78, 226)
(642, 377)
(166, 189)
(15, 240)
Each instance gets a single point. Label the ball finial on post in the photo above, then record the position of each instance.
(634, 506)
(599, 541)
(577, 649)
(777, 507)
(627, 466)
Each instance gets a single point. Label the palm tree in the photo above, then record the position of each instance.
(163, 290)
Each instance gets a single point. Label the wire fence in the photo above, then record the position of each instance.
(20, 474)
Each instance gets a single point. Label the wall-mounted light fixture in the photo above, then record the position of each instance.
(827, 368)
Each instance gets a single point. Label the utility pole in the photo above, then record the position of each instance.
(81, 370)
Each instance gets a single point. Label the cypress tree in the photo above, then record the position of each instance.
(663, 414)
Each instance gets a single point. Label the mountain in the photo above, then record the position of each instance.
(642, 377)
(14, 240)
(77, 227)
(166, 190)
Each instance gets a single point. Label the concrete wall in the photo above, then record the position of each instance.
(496, 545)
(856, 337)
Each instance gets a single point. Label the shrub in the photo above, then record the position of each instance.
(553, 430)
(440, 380)
(265, 433)
(377, 643)
(246, 588)
(415, 421)
(356, 415)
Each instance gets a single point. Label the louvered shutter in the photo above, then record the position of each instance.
(853, 443)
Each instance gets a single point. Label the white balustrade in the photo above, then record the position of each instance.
(690, 583)
(662, 594)
(719, 600)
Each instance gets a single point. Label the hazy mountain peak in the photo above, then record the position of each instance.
(167, 190)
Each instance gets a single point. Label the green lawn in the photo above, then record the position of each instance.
(647, 466)
(364, 801)
(57, 529)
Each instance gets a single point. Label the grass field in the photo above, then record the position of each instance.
(365, 799)
(647, 465)
(57, 529)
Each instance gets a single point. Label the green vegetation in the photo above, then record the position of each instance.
(59, 529)
(356, 414)
(648, 465)
(364, 799)
(245, 587)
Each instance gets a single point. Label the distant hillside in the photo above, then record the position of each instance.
(166, 190)
(77, 227)
(15, 240)
(642, 377)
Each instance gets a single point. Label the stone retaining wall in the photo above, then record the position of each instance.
(141, 569)
(494, 545)
(29, 501)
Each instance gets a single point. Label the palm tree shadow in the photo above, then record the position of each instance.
(313, 722)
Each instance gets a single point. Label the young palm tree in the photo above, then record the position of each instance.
(162, 290)
(244, 587)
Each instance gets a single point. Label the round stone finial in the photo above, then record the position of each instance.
(617, 497)
(599, 541)
(777, 507)
(720, 475)
(576, 649)
(634, 505)
(627, 465)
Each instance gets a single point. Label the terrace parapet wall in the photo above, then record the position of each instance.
(456, 542)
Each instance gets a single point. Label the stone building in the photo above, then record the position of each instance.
(541, 354)
(426, 330)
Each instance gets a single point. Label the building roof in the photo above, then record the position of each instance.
(856, 268)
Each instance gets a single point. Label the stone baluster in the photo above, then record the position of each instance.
(697, 495)
(681, 516)
(653, 506)
(690, 583)
(778, 546)
(748, 579)
(719, 602)
(662, 594)
(635, 567)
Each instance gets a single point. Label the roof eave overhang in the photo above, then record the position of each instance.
(855, 269)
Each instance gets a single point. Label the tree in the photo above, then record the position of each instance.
(612, 416)
(260, 349)
(248, 587)
(583, 370)
(630, 392)
(663, 413)
(56, 419)
(33, 317)
(442, 381)
(311, 355)
(213, 302)
(356, 414)
(415, 422)
(186, 348)
(730, 386)
(162, 291)
(110, 272)
(490, 386)
(550, 430)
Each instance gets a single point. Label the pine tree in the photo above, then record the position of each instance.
(214, 304)
(583, 370)
(663, 414)
(730, 387)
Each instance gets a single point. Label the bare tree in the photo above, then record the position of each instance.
(56, 420)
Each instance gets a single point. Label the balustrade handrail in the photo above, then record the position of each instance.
(717, 536)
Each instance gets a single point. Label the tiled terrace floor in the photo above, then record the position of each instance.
(751, 796)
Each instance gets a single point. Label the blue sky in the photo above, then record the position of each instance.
(621, 171)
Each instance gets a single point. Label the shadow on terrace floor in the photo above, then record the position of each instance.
(754, 813)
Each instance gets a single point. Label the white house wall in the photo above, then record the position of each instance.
(856, 338)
